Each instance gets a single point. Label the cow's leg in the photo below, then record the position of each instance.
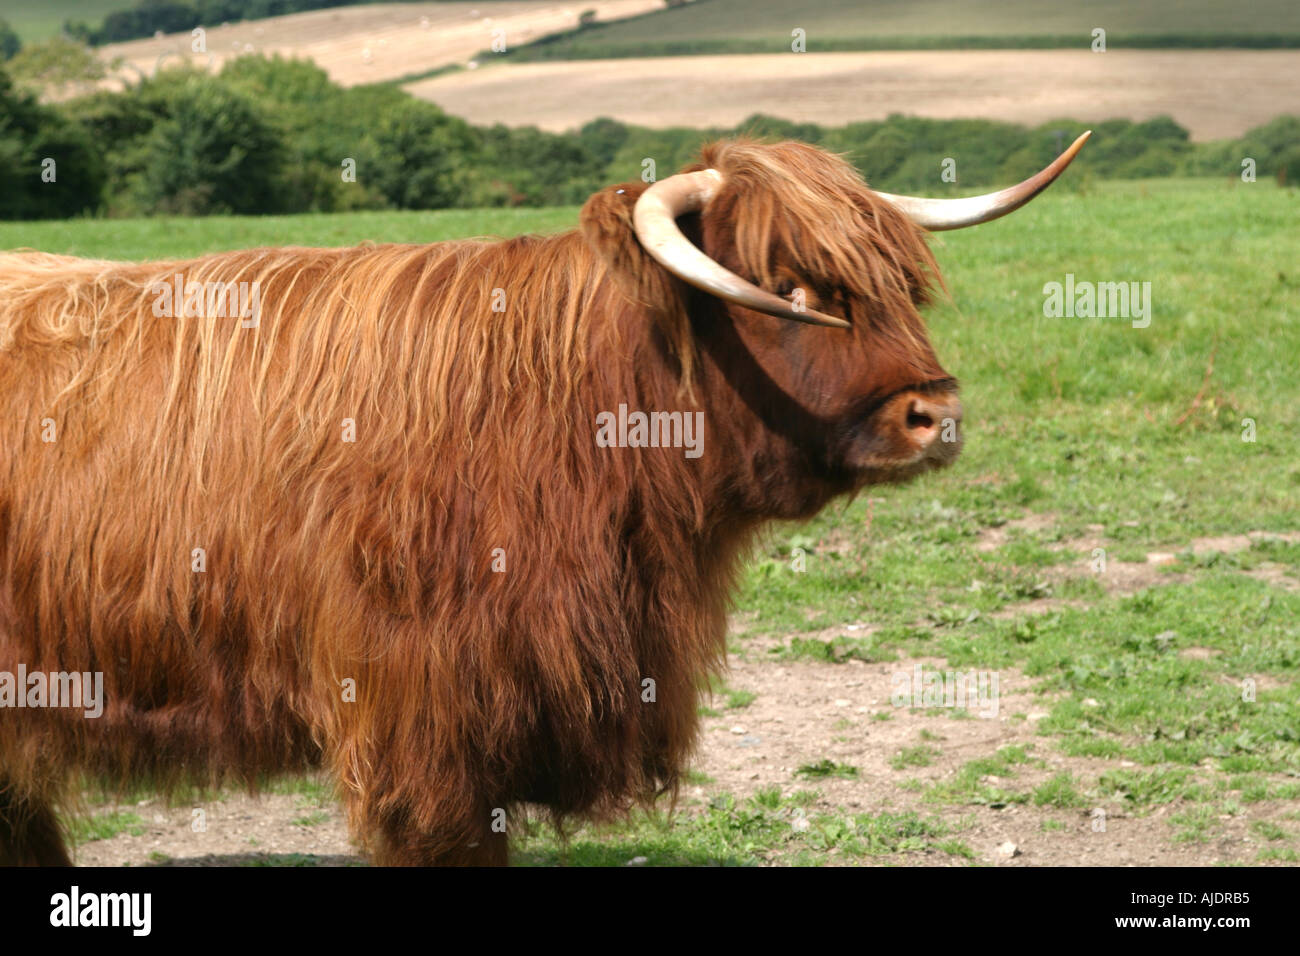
(403, 848)
(29, 831)
(469, 841)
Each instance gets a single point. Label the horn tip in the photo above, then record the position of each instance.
(830, 320)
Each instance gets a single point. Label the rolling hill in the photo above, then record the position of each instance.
(766, 26)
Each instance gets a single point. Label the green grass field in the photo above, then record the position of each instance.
(751, 26)
(1082, 434)
(177, 237)
(44, 18)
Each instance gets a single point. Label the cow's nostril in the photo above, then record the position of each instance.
(918, 416)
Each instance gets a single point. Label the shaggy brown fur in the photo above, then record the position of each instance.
(371, 561)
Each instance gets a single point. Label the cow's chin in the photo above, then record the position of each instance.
(871, 467)
(901, 473)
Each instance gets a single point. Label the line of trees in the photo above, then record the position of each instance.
(277, 136)
(148, 17)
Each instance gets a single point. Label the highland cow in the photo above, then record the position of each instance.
(374, 530)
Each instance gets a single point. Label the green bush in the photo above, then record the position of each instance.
(541, 169)
(9, 41)
(50, 167)
(214, 151)
(421, 157)
(1275, 148)
(603, 138)
(324, 125)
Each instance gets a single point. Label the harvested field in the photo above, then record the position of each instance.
(1213, 93)
(375, 43)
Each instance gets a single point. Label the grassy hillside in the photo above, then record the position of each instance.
(753, 26)
(1083, 434)
(42, 18)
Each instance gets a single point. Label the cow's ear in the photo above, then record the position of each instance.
(606, 223)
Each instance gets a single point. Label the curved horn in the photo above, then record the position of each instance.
(655, 220)
(939, 214)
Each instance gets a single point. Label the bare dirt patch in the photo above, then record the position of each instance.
(990, 539)
(237, 829)
(1275, 575)
(807, 712)
(803, 713)
(1127, 577)
(1043, 605)
(1213, 93)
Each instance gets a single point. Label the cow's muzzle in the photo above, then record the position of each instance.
(913, 431)
(932, 425)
